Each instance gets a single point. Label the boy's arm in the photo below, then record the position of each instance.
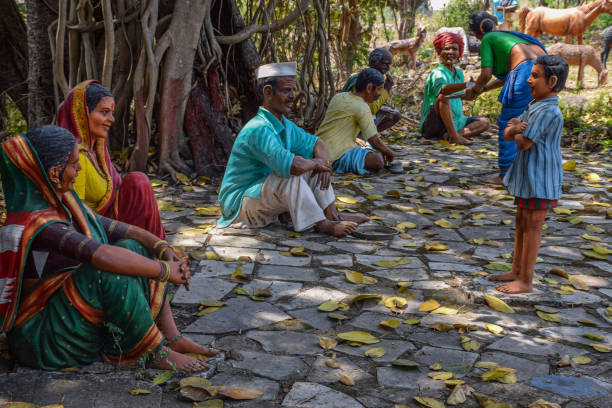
(522, 142)
(512, 128)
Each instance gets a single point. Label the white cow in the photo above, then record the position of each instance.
(460, 31)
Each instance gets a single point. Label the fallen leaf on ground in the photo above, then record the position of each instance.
(366, 296)
(543, 403)
(590, 237)
(346, 380)
(359, 337)
(564, 362)
(498, 304)
(436, 366)
(578, 283)
(469, 344)
(445, 310)
(216, 403)
(435, 246)
(495, 329)
(443, 375)
(208, 310)
(336, 316)
(429, 402)
(412, 320)
(499, 266)
(162, 377)
(429, 305)
(594, 229)
(390, 323)
(548, 316)
(391, 263)
(394, 302)
(559, 272)
(139, 391)
(444, 223)
(332, 306)
(331, 363)
(403, 363)
(601, 348)
(497, 373)
(327, 343)
(593, 336)
(405, 225)
(375, 352)
(486, 364)
(358, 277)
(457, 396)
(347, 200)
(569, 165)
(441, 327)
(238, 393)
(581, 360)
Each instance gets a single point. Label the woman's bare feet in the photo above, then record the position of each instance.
(335, 228)
(504, 277)
(177, 361)
(186, 345)
(514, 287)
(359, 219)
(493, 180)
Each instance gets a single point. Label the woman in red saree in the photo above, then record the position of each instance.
(87, 112)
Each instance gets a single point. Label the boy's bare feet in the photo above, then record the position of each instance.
(504, 277)
(174, 360)
(493, 180)
(186, 345)
(514, 287)
(359, 219)
(336, 228)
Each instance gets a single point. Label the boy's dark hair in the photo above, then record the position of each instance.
(476, 22)
(554, 65)
(369, 76)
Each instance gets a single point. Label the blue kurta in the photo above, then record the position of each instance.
(264, 145)
(538, 171)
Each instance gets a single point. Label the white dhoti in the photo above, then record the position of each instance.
(298, 195)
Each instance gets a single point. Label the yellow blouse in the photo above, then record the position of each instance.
(90, 185)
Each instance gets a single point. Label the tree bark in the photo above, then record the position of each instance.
(14, 52)
(41, 100)
(206, 126)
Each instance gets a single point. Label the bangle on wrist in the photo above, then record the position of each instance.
(159, 256)
(160, 242)
(164, 275)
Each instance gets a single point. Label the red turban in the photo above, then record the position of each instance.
(442, 39)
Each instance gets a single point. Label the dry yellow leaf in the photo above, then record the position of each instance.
(347, 200)
(428, 402)
(216, 403)
(581, 360)
(429, 305)
(498, 304)
(373, 197)
(445, 310)
(578, 283)
(391, 263)
(331, 363)
(509, 378)
(358, 337)
(457, 396)
(497, 373)
(441, 327)
(444, 223)
(346, 380)
(563, 211)
(444, 375)
(435, 246)
(452, 383)
(375, 352)
(358, 277)
(495, 329)
(469, 344)
(548, 316)
(390, 323)
(593, 177)
(543, 404)
(332, 306)
(436, 366)
(486, 364)
(238, 393)
(394, 302)
(327, 343)
(208, 211)
(601, 348)
(139, 391)
(207, 310)
(569, 165)
(425, 211)
(590, 237)
(405, 225)
(412, 321)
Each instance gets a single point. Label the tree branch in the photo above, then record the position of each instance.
(256, 28)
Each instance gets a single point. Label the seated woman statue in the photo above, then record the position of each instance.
(87, 112)
(75, 286)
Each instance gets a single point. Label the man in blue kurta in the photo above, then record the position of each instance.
(275, 167)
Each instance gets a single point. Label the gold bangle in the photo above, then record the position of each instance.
(159, 256)
(160, 242)
(166, 271)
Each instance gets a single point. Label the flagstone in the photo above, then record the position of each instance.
(275, 367)
(240, 313)
(239, 241)
(393, 349)
(287, 273)
(268, 257)
(278, 289)
(313, 297)
(532, 346)
(313, 395)
(202, 289)
(231, 378)
(321, 373)
(335, 260)
(219, 268)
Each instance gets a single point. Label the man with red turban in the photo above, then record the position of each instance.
(442, 117)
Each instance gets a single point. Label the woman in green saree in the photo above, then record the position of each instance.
(76, 287)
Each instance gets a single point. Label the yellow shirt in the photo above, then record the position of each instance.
(347, 116)
(378, 103)
(89, 185)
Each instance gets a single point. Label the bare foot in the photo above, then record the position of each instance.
(359, 219)
(504, 277)
(181, 362)
(513, 287)
(186, 345)
(461, 140)
(335, 228)
(493, 180)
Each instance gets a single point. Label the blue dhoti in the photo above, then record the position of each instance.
(514, 97)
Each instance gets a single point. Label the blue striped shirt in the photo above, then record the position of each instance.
(538, 171)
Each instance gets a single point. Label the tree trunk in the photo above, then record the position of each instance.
(14, 52)
(206, 125)
(41, 100)
(176, 72)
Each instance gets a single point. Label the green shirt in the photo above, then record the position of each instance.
(495, 50)
(347, 116)
(264, 145)
(437, 79)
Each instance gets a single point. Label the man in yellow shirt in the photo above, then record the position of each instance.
(349, 116)
(384, 115)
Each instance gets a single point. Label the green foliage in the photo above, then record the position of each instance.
(485, 105)
(15, 123)
(426, 53)
(593, 120)
(455, 14)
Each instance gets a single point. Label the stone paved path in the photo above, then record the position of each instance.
(274, 338)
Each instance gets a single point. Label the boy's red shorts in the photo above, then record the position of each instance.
(535, 203)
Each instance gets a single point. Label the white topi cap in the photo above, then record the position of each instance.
(277, 70)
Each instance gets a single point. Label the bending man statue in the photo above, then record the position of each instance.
(275, 167)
